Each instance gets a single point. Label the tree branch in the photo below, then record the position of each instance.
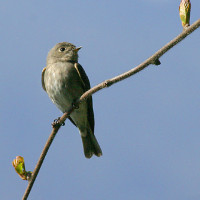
(107, 83)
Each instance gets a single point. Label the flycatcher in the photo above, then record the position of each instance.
(65, 81)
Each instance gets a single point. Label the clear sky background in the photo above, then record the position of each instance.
(148, 126)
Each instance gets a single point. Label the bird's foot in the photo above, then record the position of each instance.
(56, 122)
(75, 106)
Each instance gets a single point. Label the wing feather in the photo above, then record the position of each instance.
(86, 86)
(43, 85)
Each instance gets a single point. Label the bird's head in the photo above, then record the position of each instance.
(62, 52)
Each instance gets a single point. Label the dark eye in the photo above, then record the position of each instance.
(62, 49)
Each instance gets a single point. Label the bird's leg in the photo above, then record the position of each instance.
(56, 122)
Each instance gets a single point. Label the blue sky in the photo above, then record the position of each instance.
(147, 126)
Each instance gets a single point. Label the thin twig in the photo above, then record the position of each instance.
(107, 83)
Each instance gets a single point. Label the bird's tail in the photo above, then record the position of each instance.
(90, 145)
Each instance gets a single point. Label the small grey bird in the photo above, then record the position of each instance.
(65, 81)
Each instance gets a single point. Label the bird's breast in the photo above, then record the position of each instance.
(62, 84)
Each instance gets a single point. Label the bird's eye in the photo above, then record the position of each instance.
(62, 49)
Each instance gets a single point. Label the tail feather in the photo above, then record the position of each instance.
(90, 145)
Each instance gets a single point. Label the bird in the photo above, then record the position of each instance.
(65, 80)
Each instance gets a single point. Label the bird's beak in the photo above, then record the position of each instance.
(77, 49)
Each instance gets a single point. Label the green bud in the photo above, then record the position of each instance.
(184, 12)
(19, 165)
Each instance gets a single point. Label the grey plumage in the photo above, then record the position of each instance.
(65, 80)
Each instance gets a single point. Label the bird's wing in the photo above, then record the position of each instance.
(83, 77)
(86, 86)
(43, 85)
